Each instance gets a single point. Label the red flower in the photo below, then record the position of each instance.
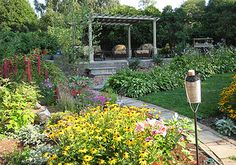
(29, 71)
(38, 64)
(46, 74)
(56, 96)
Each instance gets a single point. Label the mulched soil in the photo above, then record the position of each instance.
(8, 146)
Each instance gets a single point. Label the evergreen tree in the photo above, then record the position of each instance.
(17, 15)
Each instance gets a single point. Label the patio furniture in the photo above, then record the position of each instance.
(119, 51)
(98, 52)
(145, 50)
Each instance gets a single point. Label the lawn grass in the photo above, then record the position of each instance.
(176, 99)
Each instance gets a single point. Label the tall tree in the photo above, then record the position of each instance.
(17, 15)
(219, 20)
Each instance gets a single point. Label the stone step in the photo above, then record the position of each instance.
(103, 71)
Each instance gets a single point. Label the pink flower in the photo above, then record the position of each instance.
(161, 131)
(151, 122)
(140, 126)
(148, 139)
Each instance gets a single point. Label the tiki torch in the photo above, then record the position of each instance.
(193, 93)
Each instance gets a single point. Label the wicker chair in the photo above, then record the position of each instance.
(98, 52)
(145, 50)
(119, 51)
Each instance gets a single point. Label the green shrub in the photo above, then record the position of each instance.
(16, 43)
(134, 84)
(134, 63)
(16, 102)
(226, 127)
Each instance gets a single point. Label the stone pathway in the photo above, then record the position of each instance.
(219, 147)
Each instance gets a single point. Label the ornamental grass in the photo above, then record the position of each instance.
(112, 134)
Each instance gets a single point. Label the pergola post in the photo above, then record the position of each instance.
(154, 37)
(91, 53)
(129, 42)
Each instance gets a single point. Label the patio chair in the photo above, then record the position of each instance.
(98, 52)
(145, 50)
(119, 51)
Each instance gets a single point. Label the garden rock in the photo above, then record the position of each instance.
(42, 112)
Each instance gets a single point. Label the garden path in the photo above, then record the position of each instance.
(219, 147)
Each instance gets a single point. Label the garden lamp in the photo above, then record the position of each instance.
(193, 93)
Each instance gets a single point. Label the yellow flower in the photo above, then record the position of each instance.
(53, 157)
(87, 158)
(59, 164)
(143, 154)
(117, 138)
(130, 142)
(94, 151)
(142, 161)
(46, 155)
(83, 150)
(112, 161)
(126, 155)
(49, 163)
(101, 162)
(67, 148)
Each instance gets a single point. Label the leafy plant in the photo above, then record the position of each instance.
(157, 60)
(134, 63)
(76, 83)
(226, 127)
(135, 84)
(30, 135)
(16, 102)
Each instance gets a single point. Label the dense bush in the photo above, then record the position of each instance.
(117, 135)
(227, 103)
(12, 43)
(135, 84)
(16, 102)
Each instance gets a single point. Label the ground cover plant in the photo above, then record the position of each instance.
(163, 78)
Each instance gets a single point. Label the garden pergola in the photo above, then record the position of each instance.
(120, 20)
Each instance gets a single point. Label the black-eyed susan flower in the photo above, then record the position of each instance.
(87, 158)
(126, 155)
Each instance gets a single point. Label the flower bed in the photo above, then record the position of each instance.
(117, 135)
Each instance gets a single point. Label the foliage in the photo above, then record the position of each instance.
(17, 16)
(16, 102)
(226, 127)
(227, 103)
(116, 135)
(134, 63)
(30, 156)
(157, 60)
(76, 83)
(30, 135)
(75, 102)
(17, 43)
(135, 84)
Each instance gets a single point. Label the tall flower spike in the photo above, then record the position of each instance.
(29, 71)
(38, 64)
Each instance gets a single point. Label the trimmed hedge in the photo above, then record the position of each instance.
(135, 83)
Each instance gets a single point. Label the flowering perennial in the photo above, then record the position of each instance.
(112, 134)
(227, 103)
